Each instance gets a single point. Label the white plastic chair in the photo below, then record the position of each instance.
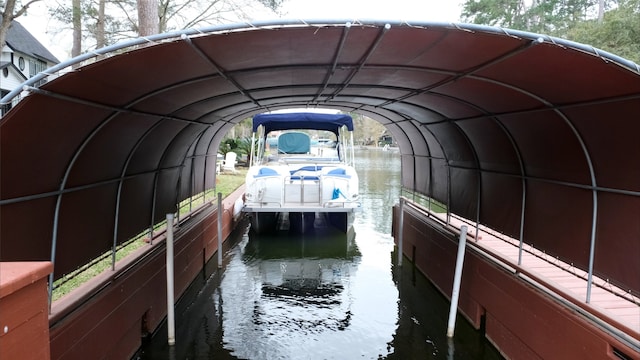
(229, 162)
(219, 161)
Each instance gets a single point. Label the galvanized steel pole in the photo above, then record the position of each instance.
(220, 210)
(400, 230)
(171, 326)
(455, 293)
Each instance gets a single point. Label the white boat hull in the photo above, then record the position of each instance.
(293, 183)
(302, 191)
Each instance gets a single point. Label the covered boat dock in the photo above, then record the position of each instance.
(531, 137)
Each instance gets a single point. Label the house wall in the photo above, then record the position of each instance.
(16, 75)
(10, 82)
(14, 78)
(5, 55)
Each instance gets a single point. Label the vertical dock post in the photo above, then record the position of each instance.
(455, 293)
(171, 326)
(400, 230)
(220, 210)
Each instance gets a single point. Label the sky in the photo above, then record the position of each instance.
(38, 24)
(424, 10)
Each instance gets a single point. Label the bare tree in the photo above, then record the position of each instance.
(600, 11)
(183, 14)
(147, 17)
(101, 39)
(105, 22)
(76, 21)
(9, 14)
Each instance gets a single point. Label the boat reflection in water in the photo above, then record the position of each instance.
(321, 295)
(295, 297)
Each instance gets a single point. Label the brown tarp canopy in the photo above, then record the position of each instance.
(533, 136)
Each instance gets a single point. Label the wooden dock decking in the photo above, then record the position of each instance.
(608, 303)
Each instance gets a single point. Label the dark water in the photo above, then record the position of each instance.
(324, 295)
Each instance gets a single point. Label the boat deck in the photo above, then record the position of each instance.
(609, 304)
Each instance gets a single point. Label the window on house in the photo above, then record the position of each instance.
(21, 63)
(36, 66)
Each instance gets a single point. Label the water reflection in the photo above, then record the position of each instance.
(323, 295)
(379, 174)
(302, 301)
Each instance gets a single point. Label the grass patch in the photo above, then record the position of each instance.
(69, 282)
(424, 201)
(226, 184)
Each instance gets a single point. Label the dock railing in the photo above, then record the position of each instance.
(450, 224)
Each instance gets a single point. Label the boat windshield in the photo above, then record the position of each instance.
(296, 137)
(294, 143)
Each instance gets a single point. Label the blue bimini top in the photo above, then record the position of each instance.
(306, 121)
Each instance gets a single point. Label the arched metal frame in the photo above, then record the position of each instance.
(429, 83)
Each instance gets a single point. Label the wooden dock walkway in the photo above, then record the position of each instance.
(609, 304)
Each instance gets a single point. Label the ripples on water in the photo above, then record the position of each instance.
(319, 296)
(324, 295)
(310, 303)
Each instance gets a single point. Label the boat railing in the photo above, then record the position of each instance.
(302, 189)
(316, 185)
(310, 160)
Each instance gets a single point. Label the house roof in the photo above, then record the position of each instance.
(20, 39)
(536, 137)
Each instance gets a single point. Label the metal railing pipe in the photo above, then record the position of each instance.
(400, 230)
(220, 210)
(171, 325)
(457, 277)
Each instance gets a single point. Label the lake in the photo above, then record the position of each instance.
(323, 295)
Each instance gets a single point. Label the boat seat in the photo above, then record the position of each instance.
(339, 172)
(265, 171)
